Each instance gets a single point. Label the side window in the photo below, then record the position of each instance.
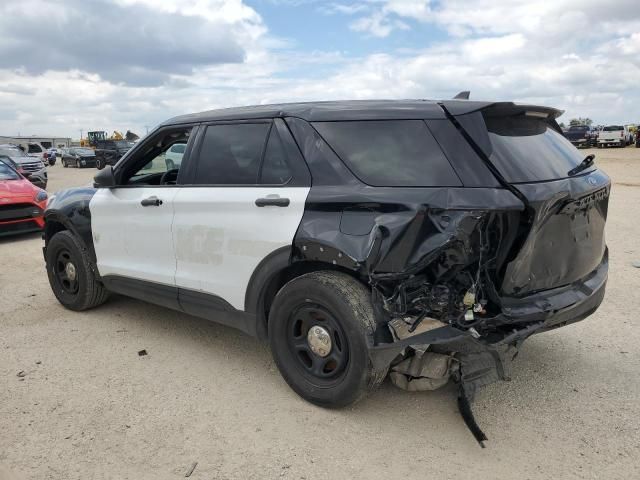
(390, 153)
(275, 170)
(231, 154)
(151, 164)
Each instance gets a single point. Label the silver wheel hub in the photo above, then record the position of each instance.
(70, 270)
(319, 341)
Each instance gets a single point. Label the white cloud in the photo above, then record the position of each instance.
(580, 56)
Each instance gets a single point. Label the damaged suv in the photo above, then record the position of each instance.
(426, 238)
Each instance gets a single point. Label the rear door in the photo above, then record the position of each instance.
(243, 200)
(562, 236)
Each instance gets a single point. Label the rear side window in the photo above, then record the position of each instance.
(390, 153)
(231, 154)
(530, 150)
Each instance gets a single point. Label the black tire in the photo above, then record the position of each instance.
(64, 163)
(99, 164)
(83, 293)
(343, 307)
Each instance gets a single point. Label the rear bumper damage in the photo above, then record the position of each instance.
(479, 356)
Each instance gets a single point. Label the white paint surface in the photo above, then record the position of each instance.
(131, 240)
(221, 236)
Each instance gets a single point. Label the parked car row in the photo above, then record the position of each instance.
(22, 204)
(31, 168)
(606, 136)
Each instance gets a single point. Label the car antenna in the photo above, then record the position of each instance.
(464, 95)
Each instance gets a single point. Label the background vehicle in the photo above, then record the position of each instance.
(79, 157)
(108, 152)
(173, 157)
(50, 156)
(613, 136)
(30, 167)
(582, 136)
(22, 204)
(411, 233)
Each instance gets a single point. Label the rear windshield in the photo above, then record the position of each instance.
(613, 128)
(530, 150)
(390, 153)
(578, 128)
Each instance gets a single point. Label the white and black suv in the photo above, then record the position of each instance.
(426, 238)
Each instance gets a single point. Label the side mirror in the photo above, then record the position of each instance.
(104, 178)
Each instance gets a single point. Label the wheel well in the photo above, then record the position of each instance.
(51, 228)
(283, 277)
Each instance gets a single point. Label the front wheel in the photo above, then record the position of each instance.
(99, 164)
(70, 274)
(319, 326)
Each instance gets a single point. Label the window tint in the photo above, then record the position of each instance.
(231, 154)
(179, 148)
(275, 170)
(390, 153)
(613, 128)
(529, 150)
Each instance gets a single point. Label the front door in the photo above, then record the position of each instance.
(132, 222)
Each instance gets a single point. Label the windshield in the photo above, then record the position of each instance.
(12, 152)
(7, 173)
(613, 128)
(84, 151)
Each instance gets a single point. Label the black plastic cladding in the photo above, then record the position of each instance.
(70, 208)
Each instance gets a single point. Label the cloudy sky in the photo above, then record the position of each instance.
(67, 65)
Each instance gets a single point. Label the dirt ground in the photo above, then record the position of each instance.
(89, 407)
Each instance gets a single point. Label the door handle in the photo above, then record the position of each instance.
(151, 202)
(272, 202)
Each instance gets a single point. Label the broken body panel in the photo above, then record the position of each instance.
(486, 264)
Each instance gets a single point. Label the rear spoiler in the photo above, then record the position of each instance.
(463, 107)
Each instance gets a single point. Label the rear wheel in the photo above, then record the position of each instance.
(70, 275)
(99, 163)
(319, 324)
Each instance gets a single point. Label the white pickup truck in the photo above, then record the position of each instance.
(614, 135)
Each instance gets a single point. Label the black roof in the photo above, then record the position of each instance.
(347, 110)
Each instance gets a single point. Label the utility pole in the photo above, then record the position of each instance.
(147, 128)
(80, 135)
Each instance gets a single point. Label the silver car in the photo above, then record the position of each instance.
(31, 167)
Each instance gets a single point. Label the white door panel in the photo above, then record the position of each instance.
(131, 240)
(221, 236)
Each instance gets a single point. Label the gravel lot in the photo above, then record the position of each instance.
(89, 407)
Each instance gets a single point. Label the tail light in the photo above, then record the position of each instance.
(621, 134)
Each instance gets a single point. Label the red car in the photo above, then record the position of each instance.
(22, 204)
